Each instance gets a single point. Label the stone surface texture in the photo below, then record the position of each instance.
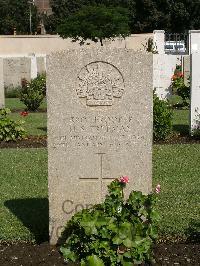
(194, 41)
(163, 70)
(2, 96)
(99, 127)
(15, 69)
(159, 41)
(41, 64)
(195, 92)
(186, 69)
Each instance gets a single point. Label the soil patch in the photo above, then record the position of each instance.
(33, 255)
(30, 142)
(179, 139)
(15, 110)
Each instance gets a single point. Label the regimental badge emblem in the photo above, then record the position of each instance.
(100, 84)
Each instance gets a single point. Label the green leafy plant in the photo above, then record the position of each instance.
(117, 232)
(10, 130)
(162, 118)
(178, 86)
(33, 93)
(150, 46)
(184, 92)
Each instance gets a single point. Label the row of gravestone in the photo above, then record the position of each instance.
(99, 126)
(164, 66)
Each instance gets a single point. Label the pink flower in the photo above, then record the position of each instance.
(124, 179)
(158, 189)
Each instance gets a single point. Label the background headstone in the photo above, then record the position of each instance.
(41, 64)
(195, 92)
(99, 127)
(163, 70)
(2, 96)
(15, 69)
(159, 41)
(194, 41)
(34, 69)
(186, 69)
(26, 66)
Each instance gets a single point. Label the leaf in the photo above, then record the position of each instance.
(154, 215)
(89, 227)
(128, 243)
(127, 263)
(93, 260)
(101, 221)
(104, 233)
(125, 230)
(68, 254)
(113, 227)
(117, 240)
(127, 255)
(138, 240)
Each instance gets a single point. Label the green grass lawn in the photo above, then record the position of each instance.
(24, 204)
(181, 121)
(15, 103)
(177, 168)
(34, 123)
(23, 198)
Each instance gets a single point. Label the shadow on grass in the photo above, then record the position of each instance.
(34, 214)
(43, 129)
(183, 130)
(193, 232)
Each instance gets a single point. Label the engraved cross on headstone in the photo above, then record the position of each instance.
(100, 178)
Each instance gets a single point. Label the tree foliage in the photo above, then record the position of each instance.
(144, 15)
(15, 14)
(95, 22)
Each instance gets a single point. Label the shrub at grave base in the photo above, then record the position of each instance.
(162, 118)
(33, 93)
(10, 129)
(117, 232)
(179, 86)
(184, 92)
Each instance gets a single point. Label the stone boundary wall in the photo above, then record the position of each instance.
(46, 44)
(25, 56)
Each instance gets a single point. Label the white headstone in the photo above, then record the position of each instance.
(195, 93)
(194, 41)
(99, 127)
(2, 96)
(159, 41)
